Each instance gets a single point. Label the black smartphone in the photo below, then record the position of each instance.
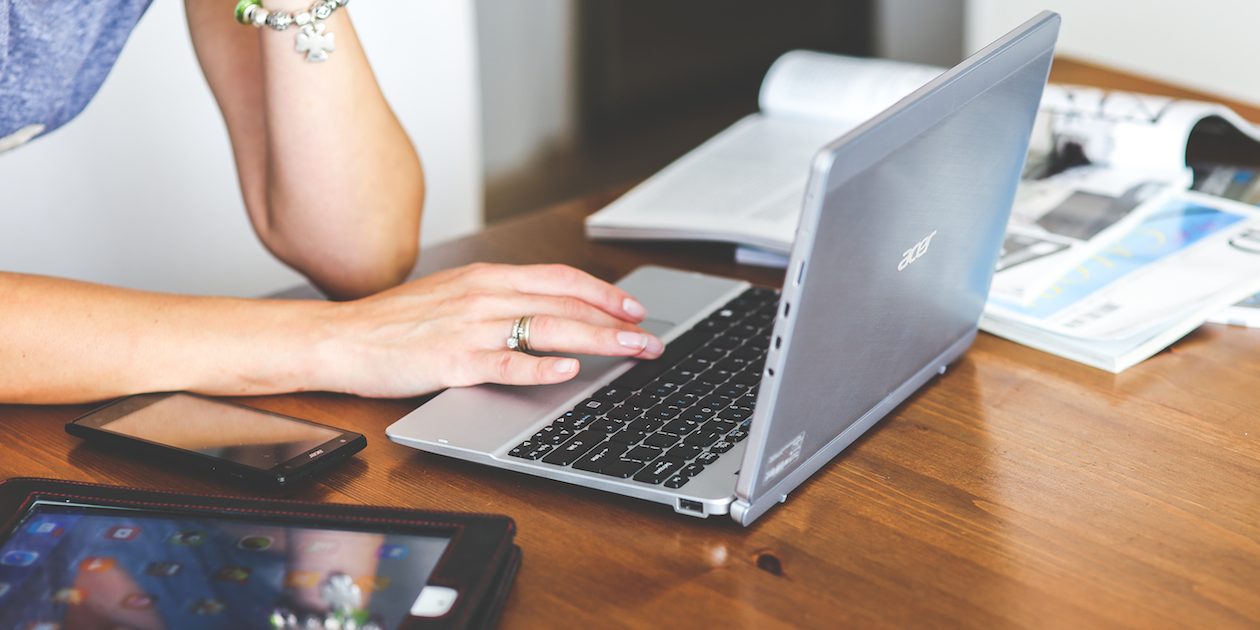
(220, 437)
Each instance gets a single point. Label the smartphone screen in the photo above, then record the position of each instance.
(79, 566)
(217, 429)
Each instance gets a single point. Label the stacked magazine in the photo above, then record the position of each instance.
(1135, 223)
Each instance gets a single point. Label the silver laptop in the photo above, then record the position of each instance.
(903, 219)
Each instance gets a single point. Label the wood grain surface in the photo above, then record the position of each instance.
(1019, 489)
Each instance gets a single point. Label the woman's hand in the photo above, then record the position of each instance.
(450, 329)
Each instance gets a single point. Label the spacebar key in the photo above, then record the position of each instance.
(576, 447)
(645, 371)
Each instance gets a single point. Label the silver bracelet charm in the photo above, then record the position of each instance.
(313, 37)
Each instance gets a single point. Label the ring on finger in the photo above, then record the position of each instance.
(519, 339)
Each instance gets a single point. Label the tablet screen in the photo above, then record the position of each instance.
(77, 566)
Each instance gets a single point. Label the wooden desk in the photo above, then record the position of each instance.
(1018, 489)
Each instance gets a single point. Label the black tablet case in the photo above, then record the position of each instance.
(488, 592)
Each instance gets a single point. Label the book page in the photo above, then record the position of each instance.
(806, 84)
(744, 185)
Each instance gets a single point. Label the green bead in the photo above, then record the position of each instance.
(241, 5)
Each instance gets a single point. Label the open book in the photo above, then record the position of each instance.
(745, 185)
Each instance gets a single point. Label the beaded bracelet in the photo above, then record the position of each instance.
(312, 38)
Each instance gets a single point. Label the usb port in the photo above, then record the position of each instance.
(687, 505)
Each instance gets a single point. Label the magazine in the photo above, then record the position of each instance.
(1094, 158)
(1239, 183)
(1182, 258)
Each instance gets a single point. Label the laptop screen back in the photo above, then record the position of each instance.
(896, 250)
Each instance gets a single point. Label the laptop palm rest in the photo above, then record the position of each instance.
(473, 422)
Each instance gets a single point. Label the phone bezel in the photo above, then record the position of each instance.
(339, 447)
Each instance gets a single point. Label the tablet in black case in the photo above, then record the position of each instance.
(84, 555)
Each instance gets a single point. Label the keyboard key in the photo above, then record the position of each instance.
(714, 402)
(747, 377)
(721, 446)
(578, 421)
(593, 405)
(677, 482)
(684, 452)
(539, 451)
(712, 378)
(621, 468)
(611, 395)
(576, 447)
(681, 400)
(679, 427)
(736, 436)
(558, 436)
(602, 455)
(691, 470)
(662, 412)
(659, 471)
(699, 415)
(645, 425)
(662, 388)
(641, 402)
(643, 453)
(676, 375)
(697, 389)
(721, 426)
(603, 425)
(624, 414)
(735, 413)
(709, 354)
(628, 436)
(707, 458)
(520, 449)
(731, 390)
(661, 440)
(702, 438)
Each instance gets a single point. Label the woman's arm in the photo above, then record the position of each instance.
(331, 182)
(66, 341)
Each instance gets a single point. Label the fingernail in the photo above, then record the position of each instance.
(566, 366)
(654, 345)
(633, 308)
(632, 339)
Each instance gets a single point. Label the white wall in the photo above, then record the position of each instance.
(1210, 45)
(916, 31)
(528, 82)
(141, 190)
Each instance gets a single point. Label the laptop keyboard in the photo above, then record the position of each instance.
(665, 420)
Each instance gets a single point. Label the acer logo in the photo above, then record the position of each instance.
(916, 252)
(315, 454)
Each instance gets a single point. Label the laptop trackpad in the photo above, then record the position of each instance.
(482, 418)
